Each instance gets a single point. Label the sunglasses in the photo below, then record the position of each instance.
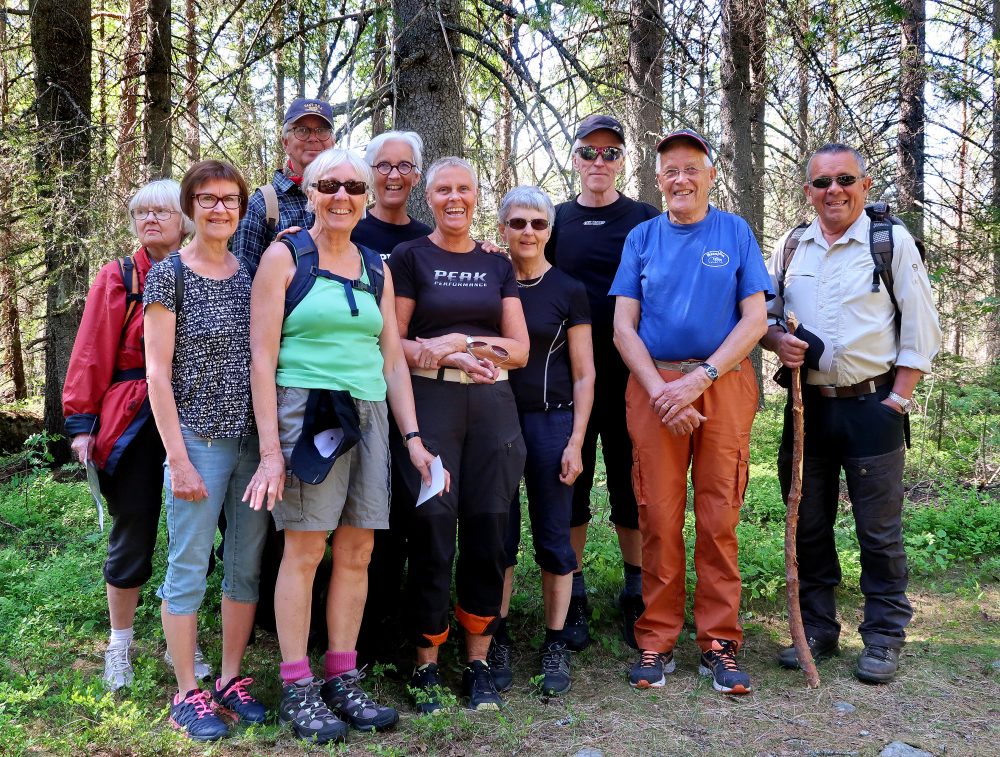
(825, 182)
(209, 201)
(385, 167)
(486, 351)
(610, 154)
(519, 224)
(332, 186)
(302, 133)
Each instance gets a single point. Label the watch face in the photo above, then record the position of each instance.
(711, 370)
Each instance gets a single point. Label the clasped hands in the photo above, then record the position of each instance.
(448, 351)
(671, 401)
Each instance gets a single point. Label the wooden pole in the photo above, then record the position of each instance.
(792, 525)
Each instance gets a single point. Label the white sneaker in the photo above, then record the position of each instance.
(202, 670)
(117, 666)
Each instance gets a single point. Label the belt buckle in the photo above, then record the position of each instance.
(871, 386)
(463, 377)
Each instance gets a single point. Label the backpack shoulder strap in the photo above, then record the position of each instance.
(130, 280)
(305, 256)
(175, 260)
(791, 245)
(270, 207)
(374, 267)
(880, 244)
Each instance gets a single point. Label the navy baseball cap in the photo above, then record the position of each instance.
(688, 135)
(305, 107)
(598, 121)
(330, 427)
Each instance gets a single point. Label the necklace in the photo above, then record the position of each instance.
(535, 283)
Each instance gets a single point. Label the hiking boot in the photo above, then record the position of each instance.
(234, 698)
(576, 631)
(304, 709)
(202, 670)
(631, 607)
(555, 669)
(347, 699)
(118, 670)
(194, 714)
(498, 658)
(478, 687)
(877, 664)
(649, 671)
(787, 657)
(720, 663)
(425, 688)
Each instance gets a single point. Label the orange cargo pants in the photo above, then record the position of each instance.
(718, 453)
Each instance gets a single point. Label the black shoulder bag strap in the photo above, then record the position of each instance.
(175, 260)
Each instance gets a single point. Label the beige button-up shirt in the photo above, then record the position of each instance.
(829, 288)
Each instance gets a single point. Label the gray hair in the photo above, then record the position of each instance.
(162, 193)
(451, 161)
(836, 148)
(531, 198)
(330, 159)
(411, 138)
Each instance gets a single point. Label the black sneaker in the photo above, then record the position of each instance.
(720, 663)
(194, 714)
(304, 709)
(650, 669)
(498, 658)
(478, 687)
(576, 631)
(631, 607)
(235, 698)
(425, 688)
(555, 669)
(877, 664)
(787, 657)
(347, 699)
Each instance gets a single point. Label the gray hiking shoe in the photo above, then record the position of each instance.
(304, 710)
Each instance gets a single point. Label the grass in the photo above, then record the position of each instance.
(53, 630)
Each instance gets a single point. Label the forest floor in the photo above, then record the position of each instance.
(946, 699)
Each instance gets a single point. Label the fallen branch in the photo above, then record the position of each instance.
(792, 526)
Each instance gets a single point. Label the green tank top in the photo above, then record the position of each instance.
(324, 347)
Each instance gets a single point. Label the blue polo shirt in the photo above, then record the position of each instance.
(689, 280)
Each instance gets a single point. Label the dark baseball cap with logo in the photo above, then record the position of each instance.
(305, 107)
(686, 135)
(330, 427)
(598, 121)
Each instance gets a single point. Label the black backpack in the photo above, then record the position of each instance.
(880, 243)
(306, 257)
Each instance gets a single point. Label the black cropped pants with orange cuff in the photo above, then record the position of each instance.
(474, 428)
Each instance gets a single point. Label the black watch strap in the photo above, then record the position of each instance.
(411, 435)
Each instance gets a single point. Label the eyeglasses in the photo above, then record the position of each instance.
(825, 182)
(159, 214)
(303, 133)
(332, 186)
(610, 154)
(671, 174)
(385, 167)
(486, 351)
(538, 224)
(209, 201)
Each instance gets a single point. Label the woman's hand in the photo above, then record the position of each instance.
(433, 350)
(422, 460)
(185, 481)
(268, 483)
(83, 447)
(285, 232)
(572, 463)
(480, 371)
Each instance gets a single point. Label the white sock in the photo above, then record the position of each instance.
(120, 636)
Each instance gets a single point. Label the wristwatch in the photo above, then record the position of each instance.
(903, 402)
(711, 370)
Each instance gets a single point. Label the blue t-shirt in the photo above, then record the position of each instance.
(689, 280)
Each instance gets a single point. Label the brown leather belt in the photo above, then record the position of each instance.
(855, 390)
(683, 366)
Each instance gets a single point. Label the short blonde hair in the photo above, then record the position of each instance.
(330, 159)
(451, 161)
(162, 193)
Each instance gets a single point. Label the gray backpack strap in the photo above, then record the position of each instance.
(270, 207)
(791, 244)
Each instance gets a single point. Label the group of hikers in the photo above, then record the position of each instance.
(243, 380)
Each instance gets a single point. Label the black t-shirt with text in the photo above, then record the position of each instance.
(552, 305)
(454, 291)
(383, 237)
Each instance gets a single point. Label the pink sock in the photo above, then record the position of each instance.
(295, 671)
(339, 662)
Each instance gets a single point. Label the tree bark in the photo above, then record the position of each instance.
(429, 100)
(380, 73)
(279, 75)
(192, 97)
(833, 29)
(158, 106)
(644, 105)
(61, 41)
(505, 157)
(993, 341)
(910, 142)
(125, 163)
(10, 322)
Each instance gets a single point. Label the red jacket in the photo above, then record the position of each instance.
(105, 391)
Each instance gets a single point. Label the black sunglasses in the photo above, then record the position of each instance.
(332, 186)
(610, 154)
(825, 182)
(538, 224)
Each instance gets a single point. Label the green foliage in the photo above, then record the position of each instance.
(963, 525)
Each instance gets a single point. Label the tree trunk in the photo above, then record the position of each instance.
(10, 321)
(158, 107)
(192, 97)
(128, 113)
(61, 40)
(505, 157)
(380, 73)
(279, 75)
(302, 51)
(429, 99)
(803, 71)
(993, 344)
(644, 105)
(833, 30)
(910, 142)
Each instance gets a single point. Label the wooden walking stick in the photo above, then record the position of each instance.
(792, 525)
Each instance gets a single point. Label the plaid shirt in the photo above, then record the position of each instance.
(252, 236)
